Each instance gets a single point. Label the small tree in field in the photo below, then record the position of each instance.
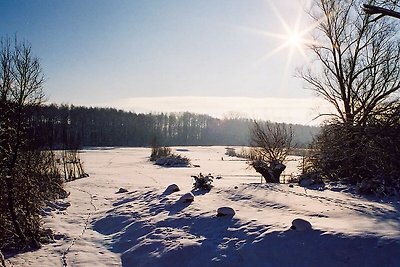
(271, 144)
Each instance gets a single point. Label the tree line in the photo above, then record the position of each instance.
(54, 126)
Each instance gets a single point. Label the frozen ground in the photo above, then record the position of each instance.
(147, 226)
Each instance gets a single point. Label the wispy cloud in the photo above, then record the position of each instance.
(291, 110)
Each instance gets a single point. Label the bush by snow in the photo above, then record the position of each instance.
(173, 161)
(159, 152)
(163, 157)
(306, 182)
(203, 182)
(230, 151)
(366, 155)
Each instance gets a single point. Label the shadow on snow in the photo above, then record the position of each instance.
(183, 239)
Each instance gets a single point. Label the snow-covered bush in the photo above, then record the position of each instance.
(159, 152)
(173, 160)
(164, 157)
(203, 181)
(230, 151)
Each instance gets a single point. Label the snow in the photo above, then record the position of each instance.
(225, 211)
(149, 226)
(301, 225)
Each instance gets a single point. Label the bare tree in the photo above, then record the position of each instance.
(27, 175)
(357, 60)
(357, 71)
(271, 143)
(21, 85)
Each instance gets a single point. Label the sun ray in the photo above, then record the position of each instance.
(294, 37)
(287, 67)
(299, 18)
(289, 60)
(271, 53)
(279, 16)
(262, 32)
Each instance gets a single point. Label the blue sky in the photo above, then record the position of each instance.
(104, 53)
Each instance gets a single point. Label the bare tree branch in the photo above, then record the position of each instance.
(358, 58)
(373, 10)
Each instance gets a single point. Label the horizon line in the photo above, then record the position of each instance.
(299, 110)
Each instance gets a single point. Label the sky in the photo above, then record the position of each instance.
(217, 57)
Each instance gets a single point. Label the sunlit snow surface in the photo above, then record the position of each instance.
(147, 226)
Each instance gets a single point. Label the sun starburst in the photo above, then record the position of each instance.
(294, 38)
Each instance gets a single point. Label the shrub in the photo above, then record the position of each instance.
(164, 157)
(230, 151)
(159, 152)
(367, 156)
(173, 160)
(37, 180)
(203, 182)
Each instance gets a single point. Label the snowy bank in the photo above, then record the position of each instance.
(148, 226)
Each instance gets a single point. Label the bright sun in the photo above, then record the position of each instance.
(295, 39)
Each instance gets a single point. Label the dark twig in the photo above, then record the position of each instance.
(372, 10)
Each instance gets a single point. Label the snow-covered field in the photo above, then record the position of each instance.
(148, 226)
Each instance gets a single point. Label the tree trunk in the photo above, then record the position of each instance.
(10, 176)
(271, 172)
(2, 260)
(11, 209)
(277, 169)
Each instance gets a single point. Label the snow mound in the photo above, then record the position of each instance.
(121, 190)
(177, 161)
(187, 198)
(171, 189)
(225, 211)
(301, 225)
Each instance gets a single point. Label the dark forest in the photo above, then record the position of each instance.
(56, 127)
